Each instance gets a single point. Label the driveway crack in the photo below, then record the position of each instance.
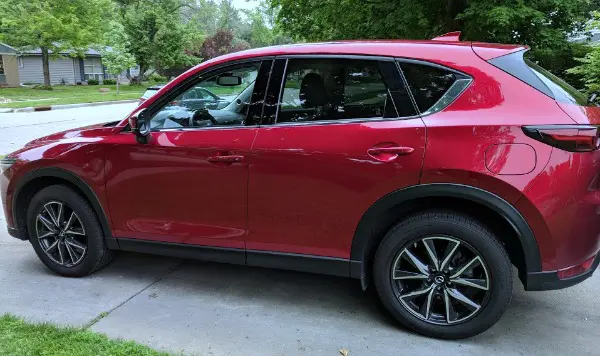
(107, 313)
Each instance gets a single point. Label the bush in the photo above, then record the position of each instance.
(109, 82)
(155, 77)
(42, 87)
(92, 82)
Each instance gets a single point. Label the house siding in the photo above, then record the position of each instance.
(60, 68)
(11, 72)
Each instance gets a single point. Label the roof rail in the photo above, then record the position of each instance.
(450, 37)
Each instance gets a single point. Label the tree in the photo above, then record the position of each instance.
(116, 57)
(54, 26)
(157, 36)
(589, 68)
(542, 24)
(221, 43)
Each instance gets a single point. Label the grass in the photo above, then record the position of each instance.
(18, 337)
(73, 94)
(67, 94)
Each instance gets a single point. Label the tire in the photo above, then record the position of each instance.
(76, 262)
(401, 286)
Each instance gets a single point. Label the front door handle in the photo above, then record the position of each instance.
(398, 150)
(389, 153)
(225, 159)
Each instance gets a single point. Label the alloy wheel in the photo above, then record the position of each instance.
(441, 280)
(61, 234)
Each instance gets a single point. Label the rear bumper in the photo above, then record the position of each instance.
(538, 281)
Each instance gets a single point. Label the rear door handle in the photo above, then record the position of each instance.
(226, 159)
(388, 154)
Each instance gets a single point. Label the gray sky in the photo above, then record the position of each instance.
(245, 4)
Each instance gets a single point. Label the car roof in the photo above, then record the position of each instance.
(393, 48)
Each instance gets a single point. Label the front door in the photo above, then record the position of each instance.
(188, 184)
(343, 134)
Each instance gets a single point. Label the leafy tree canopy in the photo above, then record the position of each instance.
(54, 25)
(589, 65)
(157, 37)
(542, 24)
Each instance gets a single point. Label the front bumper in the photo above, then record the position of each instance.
(15, 233)
(537, 281)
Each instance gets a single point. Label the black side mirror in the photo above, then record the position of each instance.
(140, 126)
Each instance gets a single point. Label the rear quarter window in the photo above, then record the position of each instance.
(539, 78)
(433, 87)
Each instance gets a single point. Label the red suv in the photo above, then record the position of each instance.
(426, 168)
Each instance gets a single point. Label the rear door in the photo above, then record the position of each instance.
(338, 134)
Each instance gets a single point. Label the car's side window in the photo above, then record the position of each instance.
(433, 87)
(334, 89)
(222, 98)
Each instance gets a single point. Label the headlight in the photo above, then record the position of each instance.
(6, 163)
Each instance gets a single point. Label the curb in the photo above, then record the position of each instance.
(65, 106)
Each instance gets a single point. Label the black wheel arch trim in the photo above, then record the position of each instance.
(54, 172)
(362, 236)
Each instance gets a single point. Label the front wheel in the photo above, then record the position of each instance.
(65, 232)
(443, 274)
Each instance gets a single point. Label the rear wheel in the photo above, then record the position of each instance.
(443, 274)
(65, 232)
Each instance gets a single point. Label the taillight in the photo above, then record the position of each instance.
(573, 138)
(577, 269)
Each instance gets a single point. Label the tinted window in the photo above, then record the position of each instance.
(433, 88)
(210, 103)
(333, 89)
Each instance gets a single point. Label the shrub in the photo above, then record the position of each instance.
(42, 87)
(109, 82)
(92, 82)
(155, 77)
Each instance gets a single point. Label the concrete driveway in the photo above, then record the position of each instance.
(217, 309)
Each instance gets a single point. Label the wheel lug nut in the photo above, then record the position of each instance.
(439, 288)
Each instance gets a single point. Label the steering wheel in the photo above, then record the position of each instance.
(202, 115)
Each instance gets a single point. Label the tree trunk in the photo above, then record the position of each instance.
(137, 80)
(46, 65)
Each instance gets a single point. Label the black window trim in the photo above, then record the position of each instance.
(341, 121)
(190, 82)
(400, 60)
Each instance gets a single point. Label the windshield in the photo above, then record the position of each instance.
(562, 90)
(148, 93)
(222, 99)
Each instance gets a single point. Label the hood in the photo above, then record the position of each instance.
(85, 131)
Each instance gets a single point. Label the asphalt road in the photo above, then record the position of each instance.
(16, 129)
(217, 309)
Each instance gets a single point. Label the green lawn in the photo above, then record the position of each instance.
(66, 94)
(23, 339)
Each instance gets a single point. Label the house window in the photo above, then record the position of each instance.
(92, 69)
(1, 65)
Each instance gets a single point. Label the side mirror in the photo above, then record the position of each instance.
(228, 80)
(140, 126)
